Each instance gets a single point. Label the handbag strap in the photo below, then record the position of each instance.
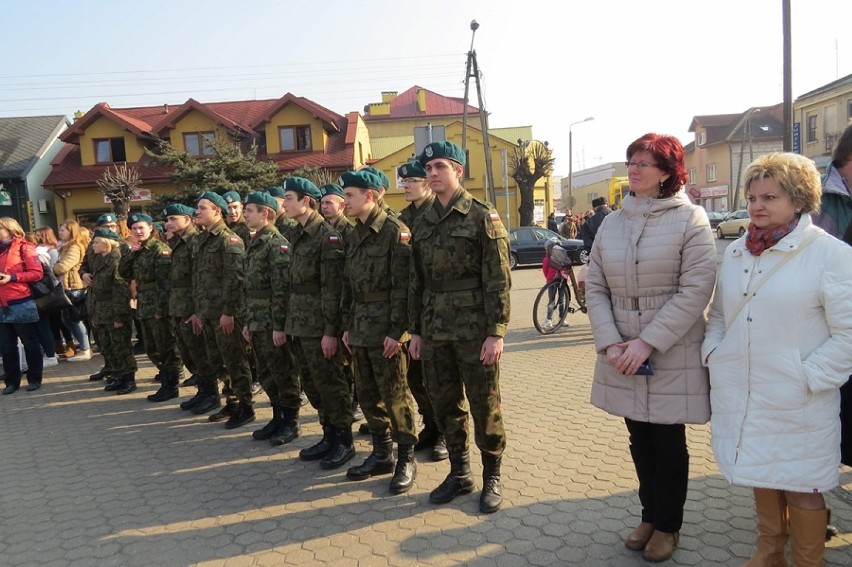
(810, 237)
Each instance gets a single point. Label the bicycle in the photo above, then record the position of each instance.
(554, 301)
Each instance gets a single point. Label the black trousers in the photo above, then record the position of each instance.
(846, 423)
(662, 465)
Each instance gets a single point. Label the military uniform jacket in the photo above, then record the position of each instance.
(286, 226)
(108, 301)
(241, 229)
(90, 259)
(217, 276)
(345, 227)
(460, 278)
(181, 300)
(151, 267)
(316, 280)
(411, 213)
(267, 280)
(375, 286)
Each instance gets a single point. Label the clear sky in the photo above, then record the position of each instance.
(634, 66)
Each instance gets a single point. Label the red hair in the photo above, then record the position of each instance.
(668, 155)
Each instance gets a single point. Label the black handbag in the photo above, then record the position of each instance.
(48, 293)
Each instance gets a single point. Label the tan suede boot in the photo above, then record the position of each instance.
(807, 533)
(771, 507)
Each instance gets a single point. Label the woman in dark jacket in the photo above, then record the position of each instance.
(19, 266)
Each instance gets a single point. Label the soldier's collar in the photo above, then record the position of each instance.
(376, 220)
(314, 223)
(218, 228)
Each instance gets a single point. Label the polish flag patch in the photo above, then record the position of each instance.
(166, 252)
(334, 239)
(285, 248)
(235, 240)
(404, 236)
(494, 217)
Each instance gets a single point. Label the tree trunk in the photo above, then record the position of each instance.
(527, 204)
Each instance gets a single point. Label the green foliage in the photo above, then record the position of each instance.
(229, 168)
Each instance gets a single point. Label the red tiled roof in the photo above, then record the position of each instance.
(129, 122)
(404, 105)
(318, 111)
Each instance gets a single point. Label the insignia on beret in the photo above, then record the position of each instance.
(404, 236)
(429, 152)
(494, 217)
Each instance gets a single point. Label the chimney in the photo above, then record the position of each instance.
(166, 108)
(78, 115)
(421, 100)
(388, 96)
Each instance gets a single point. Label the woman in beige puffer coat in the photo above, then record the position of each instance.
(651, 275)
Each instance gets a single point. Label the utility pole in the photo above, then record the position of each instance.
(788, 73)
(472, 70)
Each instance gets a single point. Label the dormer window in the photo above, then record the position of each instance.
(702, 138)
(294, 138)
(110, 150)
(199, 143)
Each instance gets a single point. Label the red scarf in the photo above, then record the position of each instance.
(759, 239)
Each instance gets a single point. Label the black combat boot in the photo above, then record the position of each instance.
(342, 449)
(270, 428)
(243, 415)
(406, 470)
(321, 449)
(439, 450)
(113, 383)
(459, 481)
(191, 381)
(492, 495)
(168, 388)
(158, 377)
(128, 384)
(428, 436)
(193, 401)
(379, 461)
(100, 374)
(209, 401)
(288, 430)
(229, 409)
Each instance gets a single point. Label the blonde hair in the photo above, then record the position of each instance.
(796, 174)
(78, 236)
(113, 244)
(13, 226)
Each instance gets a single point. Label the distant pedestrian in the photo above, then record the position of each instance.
(590, 227)
(551, 222)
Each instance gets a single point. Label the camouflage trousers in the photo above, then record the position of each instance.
(326, 387)
(417, 385)
(116, 347)
(228, 351)
(277, 370)
(96, 333)
(160, 338)
(383, 393)
(193, 350)
(453, 369)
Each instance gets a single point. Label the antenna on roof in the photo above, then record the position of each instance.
(472, 70)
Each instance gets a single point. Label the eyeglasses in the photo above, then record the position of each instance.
(639, 164)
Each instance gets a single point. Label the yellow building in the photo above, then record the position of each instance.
(819, 117)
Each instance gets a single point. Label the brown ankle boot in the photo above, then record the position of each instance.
(661, 546)
(67, 351)
(638, 538)
(771, 507)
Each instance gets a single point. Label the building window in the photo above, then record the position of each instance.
(848, 109)
(702, 138)
(711, 172)
(110, 150)
(467, 164)
(692, 176)
(199, 143)
(812, 128)
(294, 138)
(829, 124)
(592, 196)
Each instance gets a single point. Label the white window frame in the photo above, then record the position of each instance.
(711, 172)
(702, 137)
(693, 176)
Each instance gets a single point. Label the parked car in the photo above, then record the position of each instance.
(735, 225)
(716, 217)
(527, 246)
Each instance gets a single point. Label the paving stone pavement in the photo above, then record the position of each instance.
(90, 479)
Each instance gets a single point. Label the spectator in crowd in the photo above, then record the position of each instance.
(19, 266)
(776, 365)
(74, 243)
(63, 340)
(651, 275)
(551, 222)
(593, 223)
(45, 338)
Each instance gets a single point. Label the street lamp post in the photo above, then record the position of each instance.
(571, 159)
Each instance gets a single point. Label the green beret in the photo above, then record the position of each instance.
(411, 169)
(133, 218)
(275, 191)
(106, 219)
(176, 209)
(363, 179)
(331, 189)
(380, 174)
(232, 197)
(159, 227)
(106, 233)
(216, 199)
(446, 150)
(302, 186)
(261, 198)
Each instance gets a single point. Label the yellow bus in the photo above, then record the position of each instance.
(618, 186)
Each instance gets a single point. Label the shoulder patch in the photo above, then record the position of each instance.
(166, 252)
(285, 248)
(494, 217)
(234, 239)
(404, 236)
(334, 239)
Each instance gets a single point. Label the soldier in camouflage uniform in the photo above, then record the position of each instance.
(267, 289)
(313, 319)
(459, 303)
(420, 198)
(192, 347)
(150, 264)
(235, 220)
(375, 314)
(108, 304)
(217, 283)
(385, 186)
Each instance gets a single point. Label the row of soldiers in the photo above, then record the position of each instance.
(417, 303)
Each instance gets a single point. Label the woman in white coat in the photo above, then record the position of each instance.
(779, 346)
(651, 275)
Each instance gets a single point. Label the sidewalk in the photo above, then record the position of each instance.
(90, 478)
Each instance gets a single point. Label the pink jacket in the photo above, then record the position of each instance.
(550, 274)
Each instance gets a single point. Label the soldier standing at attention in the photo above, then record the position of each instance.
(459, 304)
(420, 197)
(150, 264)
(283, 224)
(217, 283)
(375, 314)
(313, 319)
(267, 289)
(236, 222)
(385, 186)
(109, 309)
